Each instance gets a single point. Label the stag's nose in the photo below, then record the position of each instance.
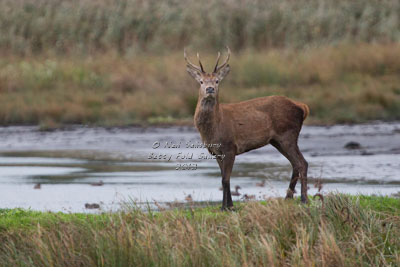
(210, 90)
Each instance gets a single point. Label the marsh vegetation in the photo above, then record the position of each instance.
(120, 62)
(340, 231)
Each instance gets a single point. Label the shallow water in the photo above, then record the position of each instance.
(67, 162)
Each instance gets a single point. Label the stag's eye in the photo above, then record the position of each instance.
(216, 81)
(201, 82)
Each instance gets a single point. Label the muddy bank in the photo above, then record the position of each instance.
(377, 138)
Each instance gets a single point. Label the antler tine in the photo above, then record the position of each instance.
(190, 64)
(226, 60)
(216, 64)
(201, 65)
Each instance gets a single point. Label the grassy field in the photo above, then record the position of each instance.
(340, 231)
(119, 62)
(341, 84)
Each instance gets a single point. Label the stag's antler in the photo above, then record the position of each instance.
(201, 65)
(190, 64)
(216, 64)
(217, 68)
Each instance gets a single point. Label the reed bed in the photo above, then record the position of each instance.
(135, 26)
(119, 62)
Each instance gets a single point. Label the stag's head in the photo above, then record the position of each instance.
(209, 82)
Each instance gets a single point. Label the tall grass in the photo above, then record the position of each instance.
(347, 83)
(119, 62)
(132, 26)
(340, 232)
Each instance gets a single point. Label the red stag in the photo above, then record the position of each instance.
(244, 126)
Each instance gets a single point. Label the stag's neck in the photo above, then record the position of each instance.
(207, 117)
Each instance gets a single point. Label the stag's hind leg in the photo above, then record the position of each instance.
(291, 151)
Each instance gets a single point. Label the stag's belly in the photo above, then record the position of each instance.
(250, 144)
(252, 134)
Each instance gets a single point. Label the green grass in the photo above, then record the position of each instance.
(381, 203)
(21, 219)
(341, 231)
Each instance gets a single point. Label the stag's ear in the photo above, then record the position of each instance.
(194, 73)
(223, 72)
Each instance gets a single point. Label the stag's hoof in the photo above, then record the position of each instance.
(289, 194)
(304, 199)
(230, 208)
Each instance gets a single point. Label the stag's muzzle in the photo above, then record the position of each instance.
(210, 90)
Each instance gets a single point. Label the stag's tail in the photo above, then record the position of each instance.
(305, 108)
(306, 111)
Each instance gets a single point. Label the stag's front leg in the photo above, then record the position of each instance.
(226, 166)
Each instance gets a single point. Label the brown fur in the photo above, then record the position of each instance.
(305, 108)
(249, 124)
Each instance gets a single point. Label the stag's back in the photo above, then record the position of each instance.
(255, 122)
